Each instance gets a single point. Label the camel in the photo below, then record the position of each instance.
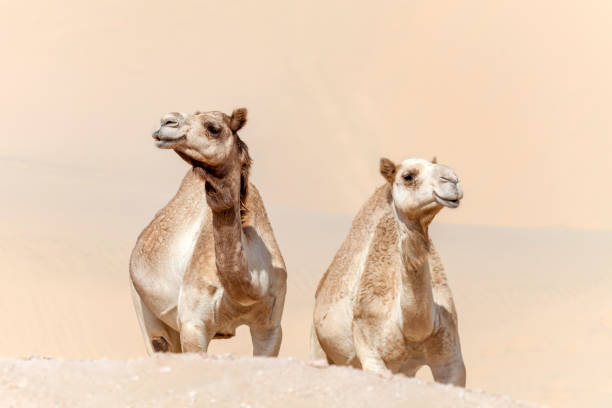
(208, 262)
(384, 304)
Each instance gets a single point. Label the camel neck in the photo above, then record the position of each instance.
(414, 239)
(416, 296)
(414, 249)
(232, 267)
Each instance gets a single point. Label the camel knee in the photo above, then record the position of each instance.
(418, 328)
(194, 337)
(370, 360)
(376, 365)
(160, 344)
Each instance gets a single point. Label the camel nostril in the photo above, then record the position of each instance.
(449, 180)
(170, 122)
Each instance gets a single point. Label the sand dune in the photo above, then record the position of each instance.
(193, 380)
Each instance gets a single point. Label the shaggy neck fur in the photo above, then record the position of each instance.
(416, 297)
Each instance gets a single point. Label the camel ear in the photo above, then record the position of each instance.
(238, 119)
(388, 169)
(434, 160)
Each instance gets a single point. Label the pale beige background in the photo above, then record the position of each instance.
(515, 95)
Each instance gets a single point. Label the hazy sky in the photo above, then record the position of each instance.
(515, 95)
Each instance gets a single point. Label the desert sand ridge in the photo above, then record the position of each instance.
(219, 381)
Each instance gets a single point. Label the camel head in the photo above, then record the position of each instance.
(206, 137)
(421, 188)
(210, 143)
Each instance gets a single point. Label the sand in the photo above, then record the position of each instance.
(192, 380)
(220, 381)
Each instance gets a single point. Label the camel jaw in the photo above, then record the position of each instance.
(446, 202)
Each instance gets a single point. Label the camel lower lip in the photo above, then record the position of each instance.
(165, 139)
(163, 142)
(446, 202)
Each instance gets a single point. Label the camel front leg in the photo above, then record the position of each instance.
(318, 358)
(196, 315)
(368, 356)
(266, 341)
(450, 373)
(444, 350)
(372, 362)
(410, 369)
(159, 338)
(195, 336)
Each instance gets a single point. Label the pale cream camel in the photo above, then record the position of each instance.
(384, 303)
(208, 262)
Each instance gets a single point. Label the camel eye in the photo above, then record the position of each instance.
(409, 177)
(212, 128)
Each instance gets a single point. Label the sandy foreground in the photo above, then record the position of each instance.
(219, 381)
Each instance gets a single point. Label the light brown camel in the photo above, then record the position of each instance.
(208, 262)
(384, 303)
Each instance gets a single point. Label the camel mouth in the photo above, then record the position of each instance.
(167, 142)
(450, 203)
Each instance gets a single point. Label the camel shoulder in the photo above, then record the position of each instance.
(257, 227)
(378, 285)
(188, 201)
(443, 295)
(336, 279)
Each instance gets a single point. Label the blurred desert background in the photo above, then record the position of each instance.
(514, 95)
